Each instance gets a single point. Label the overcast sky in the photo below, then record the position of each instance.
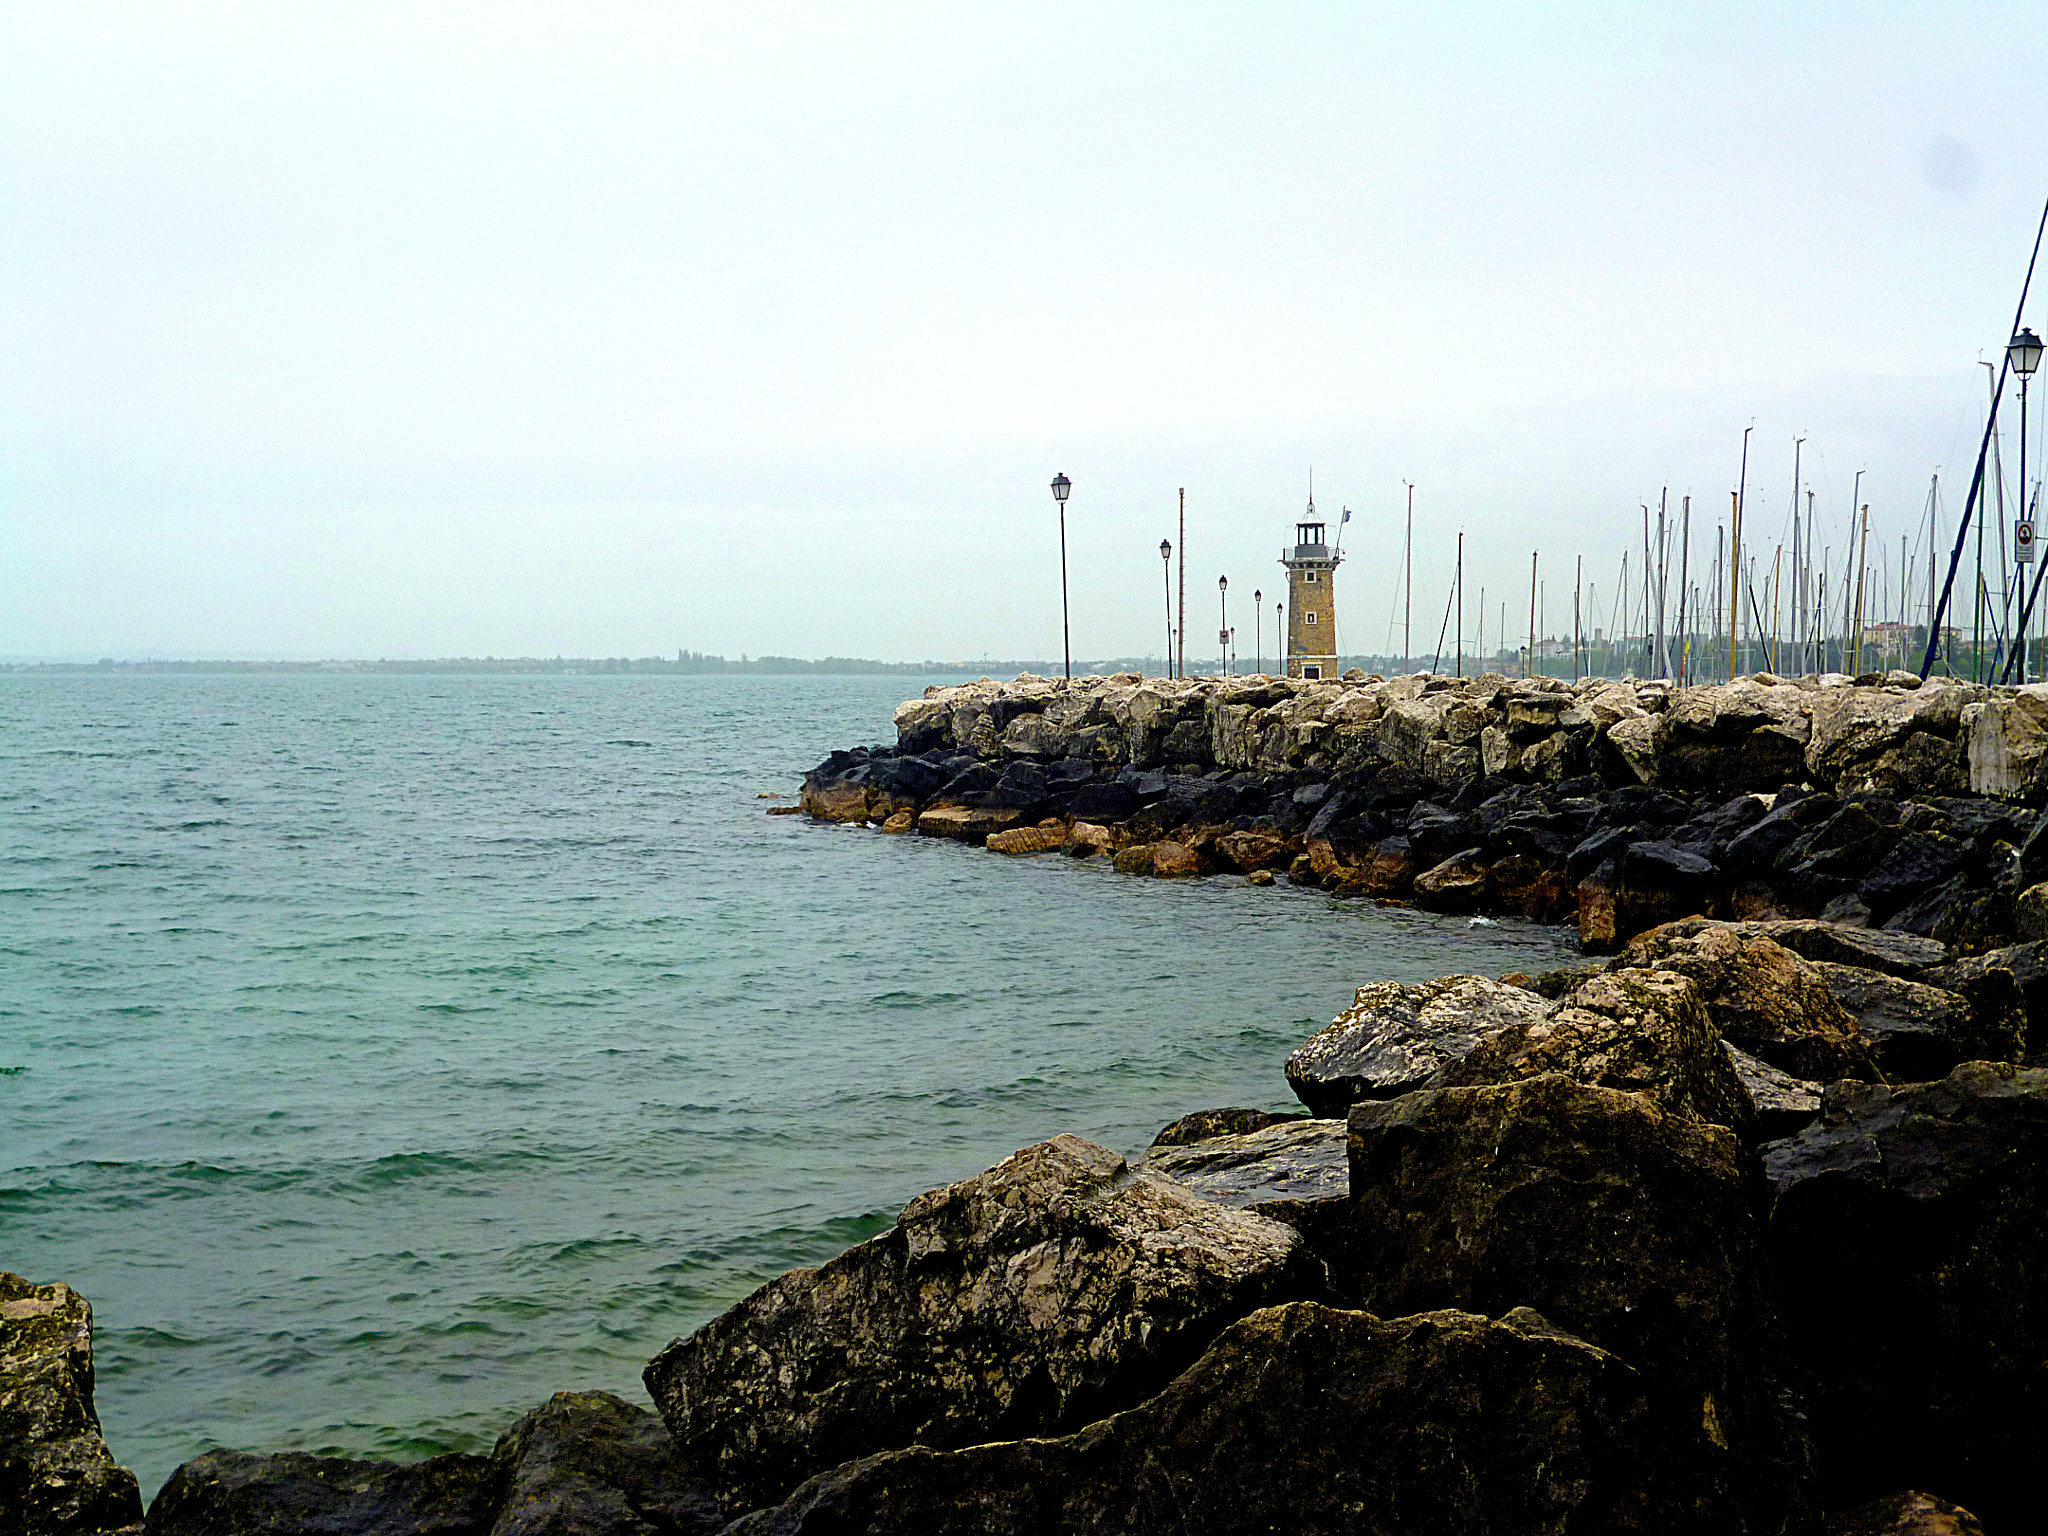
(609, 329)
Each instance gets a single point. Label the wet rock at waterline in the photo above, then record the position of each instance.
(1057, 1287)
(1784, 1104)
(1304, 1418)
(57, 1477)
(294, 1494)
(582, 1464)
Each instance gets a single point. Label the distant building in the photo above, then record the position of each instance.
(1311, 601)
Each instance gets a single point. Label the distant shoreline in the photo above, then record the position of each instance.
(687, 666)
(682, 664)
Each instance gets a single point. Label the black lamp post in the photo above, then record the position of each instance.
(1280, 661)
(1166, 563)
(1223, 634)
(1258, 633)
(1060, 486)
(2024, 353)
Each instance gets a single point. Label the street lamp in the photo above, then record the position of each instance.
(1223, 634)
(1279, 661)
(2024, 353)
(1258, 633)
(1166, 562)
(1060, 486)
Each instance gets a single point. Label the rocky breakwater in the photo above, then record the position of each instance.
(1881, 801)
(1654, 1245)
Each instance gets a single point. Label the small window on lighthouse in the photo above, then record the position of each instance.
(1310, 577)
(1313, 674)
(1311, 618)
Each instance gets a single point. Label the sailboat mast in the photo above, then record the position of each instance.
(1408, 587)
(1663, 546)
(1735, 554)
(1461, 602)
(1684, 585)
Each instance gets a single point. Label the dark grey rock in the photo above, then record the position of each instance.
(1785, 1105)
(1102, 800)
(1915, 864)
(1055, 1288)
(1661, 865)
(1290, 1160)
(590, 1464)
(1897, 954)
(1926, 912)
(2027, 964)
(1909, 1237)
(1916, 1031)
(1396, 1035)
(240, 1493)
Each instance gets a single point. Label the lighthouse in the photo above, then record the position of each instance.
(1311, 601)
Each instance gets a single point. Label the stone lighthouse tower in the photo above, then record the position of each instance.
(1311, 601)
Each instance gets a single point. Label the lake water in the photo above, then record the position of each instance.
(383, 1054)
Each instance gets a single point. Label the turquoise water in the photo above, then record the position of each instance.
(384, 1054)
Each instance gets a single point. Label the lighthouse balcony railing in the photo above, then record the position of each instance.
(1305, 552)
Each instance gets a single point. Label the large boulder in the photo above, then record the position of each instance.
(1918, 1032)
(1909, 1236)
(1645, 1032)
(590, 1464)
(56, 1475)
(1397, 1035)
(2005, 740)
(1762, 997)
(2026, 964)
(294, 1494)
(1748, 734)
(1633, 1227)
(1057, 1287)
(1307, 1419)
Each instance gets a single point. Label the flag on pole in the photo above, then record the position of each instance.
(1345, 518)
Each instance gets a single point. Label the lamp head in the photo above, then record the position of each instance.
(1166, 549)
(2024, 353)
(1222, 582)
(1060, 486)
